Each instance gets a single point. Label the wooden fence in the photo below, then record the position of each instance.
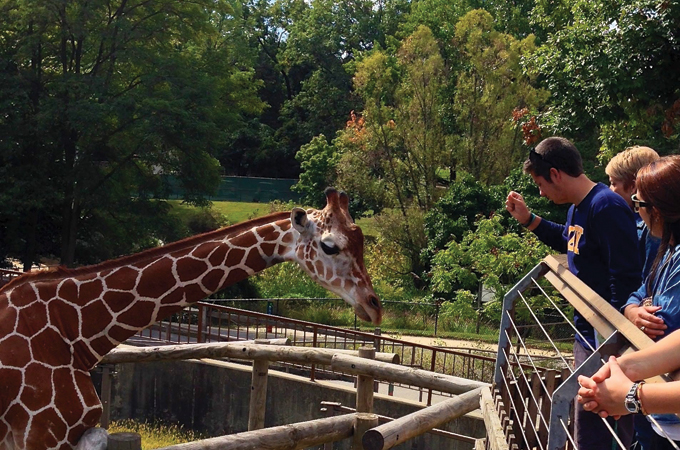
(362, 426)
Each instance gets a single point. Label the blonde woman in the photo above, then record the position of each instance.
(622, 171)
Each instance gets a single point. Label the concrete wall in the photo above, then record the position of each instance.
(212, 397)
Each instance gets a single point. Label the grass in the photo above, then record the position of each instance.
(155, 435)
(237, 212)
(234, 212)
(368, 226)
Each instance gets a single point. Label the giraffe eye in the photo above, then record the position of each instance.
(329, 250)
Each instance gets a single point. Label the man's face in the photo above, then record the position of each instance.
(620, 188)
(551, 191)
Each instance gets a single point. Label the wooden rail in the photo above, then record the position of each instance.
(401, 430)
(235, 350)
(285, 437)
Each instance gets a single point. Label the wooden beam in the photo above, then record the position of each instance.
(407, 375)
(364, 422)
(258, 394)
(494, 429)
(420, 422)
(236, 350)
(286, 437)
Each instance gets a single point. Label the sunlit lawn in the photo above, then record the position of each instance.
(235, 212)
(155, 435)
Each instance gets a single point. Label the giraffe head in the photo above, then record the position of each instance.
(331, 250)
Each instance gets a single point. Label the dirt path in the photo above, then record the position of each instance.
(456, 344)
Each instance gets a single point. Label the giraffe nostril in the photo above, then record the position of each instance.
(375, 302)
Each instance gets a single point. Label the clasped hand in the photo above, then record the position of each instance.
(605, 392)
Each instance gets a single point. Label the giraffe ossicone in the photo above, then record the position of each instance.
(57, 325)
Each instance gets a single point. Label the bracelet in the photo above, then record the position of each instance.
(531, 220)
(639, 397)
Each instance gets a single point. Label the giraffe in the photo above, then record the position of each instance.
(57, 325)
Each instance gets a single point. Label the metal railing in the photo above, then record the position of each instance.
(206, 322)
(7, 275)
(535, 406)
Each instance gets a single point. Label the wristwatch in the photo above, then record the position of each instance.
(632, 401)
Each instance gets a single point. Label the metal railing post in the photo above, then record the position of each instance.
(563, 397)
(506, 320)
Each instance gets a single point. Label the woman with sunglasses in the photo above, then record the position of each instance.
(655, 307)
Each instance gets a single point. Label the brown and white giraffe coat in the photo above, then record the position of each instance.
(55, 326)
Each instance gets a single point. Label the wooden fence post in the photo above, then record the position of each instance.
(363, 423)
(106, 396)
(365, 384)
(258, 392)
(124, 441)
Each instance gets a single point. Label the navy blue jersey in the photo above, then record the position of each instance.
(601, 242)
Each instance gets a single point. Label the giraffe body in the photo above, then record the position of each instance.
(55, 326)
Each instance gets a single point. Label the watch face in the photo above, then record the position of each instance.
(632, 405)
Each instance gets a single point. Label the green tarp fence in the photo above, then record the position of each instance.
(243, 189)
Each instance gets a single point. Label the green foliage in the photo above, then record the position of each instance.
(103, 98)
(489, 255)
(460, 309)
(286, 280)
(612, 69)
(489, 89)
(323, 313)
(455, 213)
(317, 163)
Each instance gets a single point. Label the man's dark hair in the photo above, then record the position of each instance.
(555, 152)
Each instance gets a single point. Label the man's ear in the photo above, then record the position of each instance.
(555, 175)
(298, 217)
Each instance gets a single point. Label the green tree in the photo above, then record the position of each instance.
(103, 98)
(392, 152)
(490, 255)
(455, 214)
(317, 161)
(490, 87)
(613, 69)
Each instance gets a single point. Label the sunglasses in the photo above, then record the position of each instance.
(637, 203)
(534, 157)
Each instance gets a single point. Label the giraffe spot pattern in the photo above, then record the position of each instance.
(8, 319)
(156, 279)
(16, 352)
(68, 290)
(35, 394)
(24, 295)
(213, 279)
(49, 347)
(90, 291)
(33, 319)
(140, 315)
(118, 300)
(65, 389)
(189, 268)
(94, 315)
(122, 279)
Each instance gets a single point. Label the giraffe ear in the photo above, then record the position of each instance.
(344, 201)
(298, 217)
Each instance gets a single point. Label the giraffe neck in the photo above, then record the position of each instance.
(113, 302)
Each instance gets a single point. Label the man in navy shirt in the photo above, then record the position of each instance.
(600, 239)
